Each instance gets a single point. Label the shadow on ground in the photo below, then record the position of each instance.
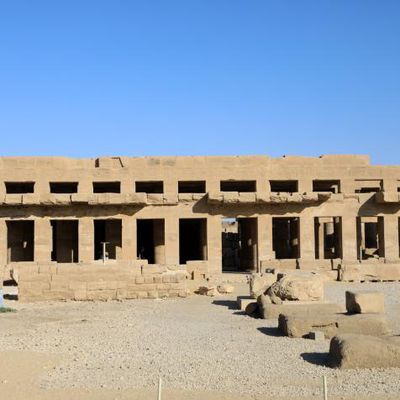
(270, 331)
(230, 304)
(319, 359)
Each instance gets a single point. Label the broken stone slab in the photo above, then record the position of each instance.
(260, 283)
(210, 291)
(318, 336)
(349, 351)
(297, 287)
(298, 326)
(268, 310)
(243, 302)
(364, 302)
(225, 288)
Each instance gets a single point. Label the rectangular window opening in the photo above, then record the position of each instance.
(368, 186)
(63, 187)
(332, 186)
(191, 187)
(149, 187)
(238, 186)
(106, 187)
(19, 187)
(290, 186)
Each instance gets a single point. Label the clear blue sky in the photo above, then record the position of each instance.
(85, 78)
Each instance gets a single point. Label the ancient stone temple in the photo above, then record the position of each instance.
(204, 215)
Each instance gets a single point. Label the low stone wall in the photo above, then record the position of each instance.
(378, 271)
(98, 282)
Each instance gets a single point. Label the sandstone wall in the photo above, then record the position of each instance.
(97, 282)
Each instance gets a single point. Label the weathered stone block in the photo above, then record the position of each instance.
(363, 302)
(259, 283)
(268, 310)
(244, 301)
(318, 336)
(367, 324)
(349, 351)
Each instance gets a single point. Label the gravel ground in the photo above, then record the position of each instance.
(199, 343)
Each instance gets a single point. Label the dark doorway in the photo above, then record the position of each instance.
(65, 241)
(110, 232)
(192, 239)
(370, 237)
(151, 240)
(328, 237)
(20, 240)
(239, 244)
(285, 237)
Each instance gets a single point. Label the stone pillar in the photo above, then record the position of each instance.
(172, 240)
(128, 238)
(214, 235)
(307, 246)
(3, 242)
(264, 234)
(349, 239)
(159, 241)
(391, 237)
(204, 244)
(43, 240)
(347, 186)
(305, 185)
(171, 186)
(390, 185)
(321, 239)
(86, 239)
(127, 185)
(85, 186)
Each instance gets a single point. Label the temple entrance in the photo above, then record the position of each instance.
(239, 244)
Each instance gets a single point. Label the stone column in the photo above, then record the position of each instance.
(86, 239)
(43, 240)
(214, 235)
(172, 240)
(159, 241)
(128, 238)
(349, 239)
(321, 239)
(391, 237)
(264, 237)
(3, 242)
(307, 246)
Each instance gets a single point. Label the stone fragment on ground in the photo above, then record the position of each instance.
(225, 288)
(297, 287)
(268, 310)
(349, 351)
(298, 326)
(260, 283)
(364, 302)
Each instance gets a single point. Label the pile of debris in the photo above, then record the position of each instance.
(272, 294)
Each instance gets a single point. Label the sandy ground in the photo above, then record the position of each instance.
(202, 347)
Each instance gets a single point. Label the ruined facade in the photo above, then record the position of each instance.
(208, 215)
